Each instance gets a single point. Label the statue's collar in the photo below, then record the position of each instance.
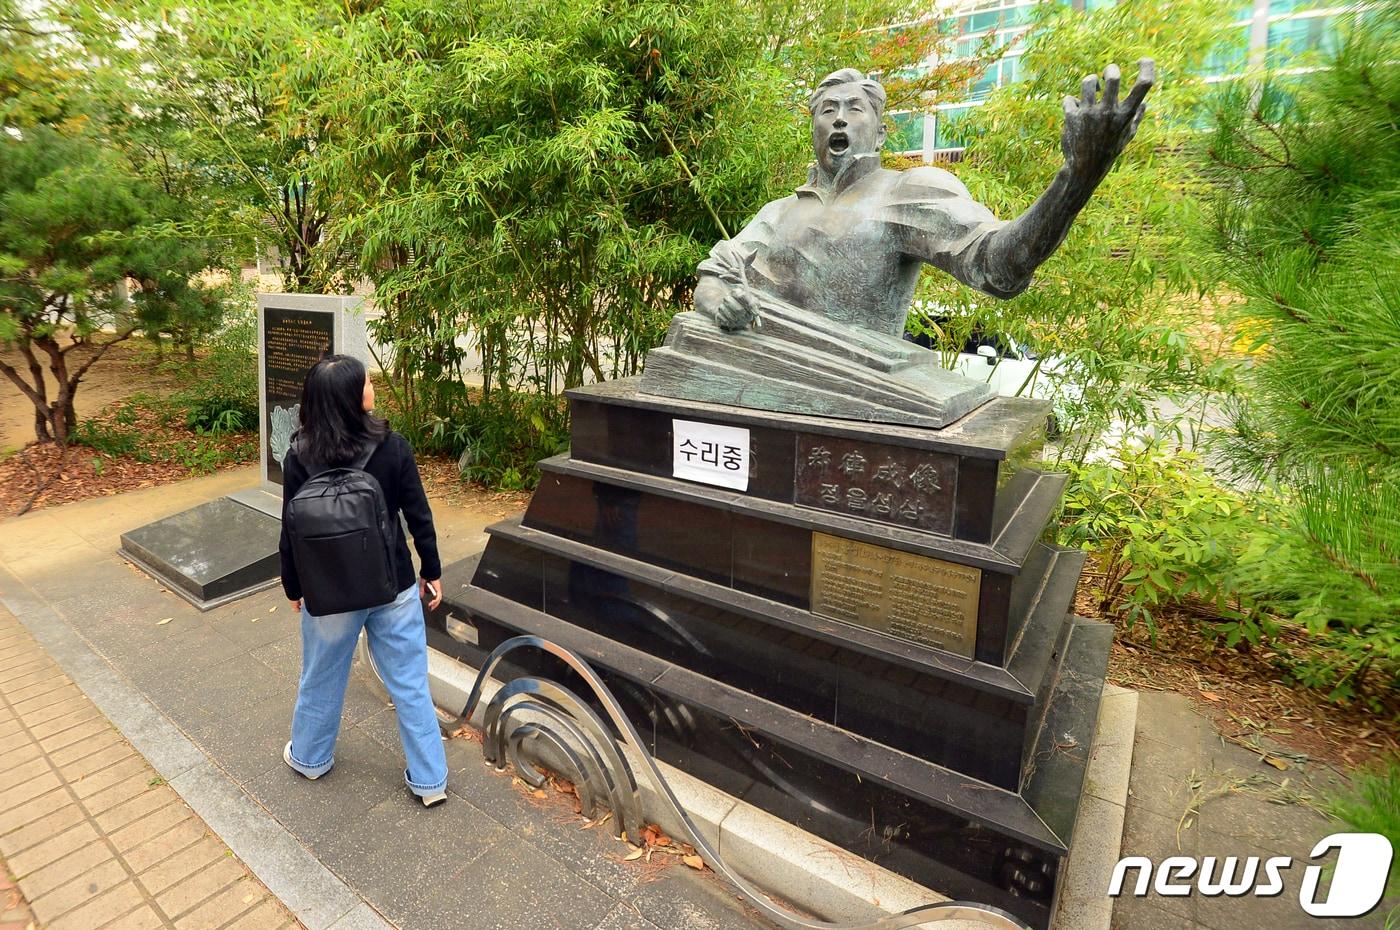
(822, 186)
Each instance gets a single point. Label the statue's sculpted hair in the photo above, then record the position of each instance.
(872, 88)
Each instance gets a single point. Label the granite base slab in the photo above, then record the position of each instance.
(211, 554)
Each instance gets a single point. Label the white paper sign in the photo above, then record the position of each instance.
(710, 454)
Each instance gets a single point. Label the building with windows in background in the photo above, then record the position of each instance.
(1271, 32)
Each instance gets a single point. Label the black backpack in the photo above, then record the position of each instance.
(342, 539)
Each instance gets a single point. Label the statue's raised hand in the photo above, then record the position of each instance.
(1097, 127)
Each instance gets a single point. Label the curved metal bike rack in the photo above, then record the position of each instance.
(530, 712)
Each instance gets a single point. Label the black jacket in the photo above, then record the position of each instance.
(393, 467)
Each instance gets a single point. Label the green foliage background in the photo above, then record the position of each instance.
(1307, 229)
(1114, 300)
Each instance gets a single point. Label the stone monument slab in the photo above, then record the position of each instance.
(225, 549)
(294, 332)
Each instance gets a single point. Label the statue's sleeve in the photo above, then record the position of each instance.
(933, 218)
(724, 258)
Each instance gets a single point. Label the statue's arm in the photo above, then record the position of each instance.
(722, 290)
(1096, 130)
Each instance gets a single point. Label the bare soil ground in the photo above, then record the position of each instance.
(125, 370)
(443, 483)
(45, 475)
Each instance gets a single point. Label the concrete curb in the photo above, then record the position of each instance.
(313, 893)
(824, 879)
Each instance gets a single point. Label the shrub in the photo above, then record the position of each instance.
(497, 438)
(1372, 805)
(1164, 533)
(223, 393)
(1328, 562)
(104, 439)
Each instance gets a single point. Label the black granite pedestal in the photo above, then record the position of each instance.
(872, 640)
(211, 554)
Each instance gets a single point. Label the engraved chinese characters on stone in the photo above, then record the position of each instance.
(890, 484)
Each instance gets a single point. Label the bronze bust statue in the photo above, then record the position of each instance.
(803, 311)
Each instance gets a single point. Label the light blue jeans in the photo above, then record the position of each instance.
(398, 641)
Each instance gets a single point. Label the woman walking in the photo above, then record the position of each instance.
(339, 431)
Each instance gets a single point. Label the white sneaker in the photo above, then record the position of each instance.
(433, 800)
(287, 758)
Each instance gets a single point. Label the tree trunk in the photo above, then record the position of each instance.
(61, 416)
(42, 417)
(65, 417)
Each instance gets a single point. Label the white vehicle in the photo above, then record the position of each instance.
(1011, 368)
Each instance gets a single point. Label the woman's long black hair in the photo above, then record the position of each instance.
(335, 427)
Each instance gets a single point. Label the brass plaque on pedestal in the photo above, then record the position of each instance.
(914, 597)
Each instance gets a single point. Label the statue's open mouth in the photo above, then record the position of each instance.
(838, 143)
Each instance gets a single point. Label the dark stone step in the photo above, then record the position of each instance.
(969, 716)
(960, 835)
(969, 469)
(1054, 780)
(765, 548)
(1021, 682)
(1006, 554)
(926, 782)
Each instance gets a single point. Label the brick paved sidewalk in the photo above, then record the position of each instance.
(93, 836)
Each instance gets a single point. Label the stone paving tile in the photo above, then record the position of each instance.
(172, 868)
(193, 890)
(75, 892)
(46, 878)
(364, 774)
(91, 835)
(159, 849)
(63, 723)
(112, 775)
(698, 902)
(514, 885)
(150, 826)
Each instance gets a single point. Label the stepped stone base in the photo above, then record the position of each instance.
(957, 761)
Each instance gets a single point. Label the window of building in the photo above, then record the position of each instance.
(1230, 56)
(1293, 39)
(907, 135)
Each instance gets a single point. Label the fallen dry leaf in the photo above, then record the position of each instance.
(1276, 763)
(695, 862)
(540, 793)
(164, 622)
(1210, 695)
(636, 853)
